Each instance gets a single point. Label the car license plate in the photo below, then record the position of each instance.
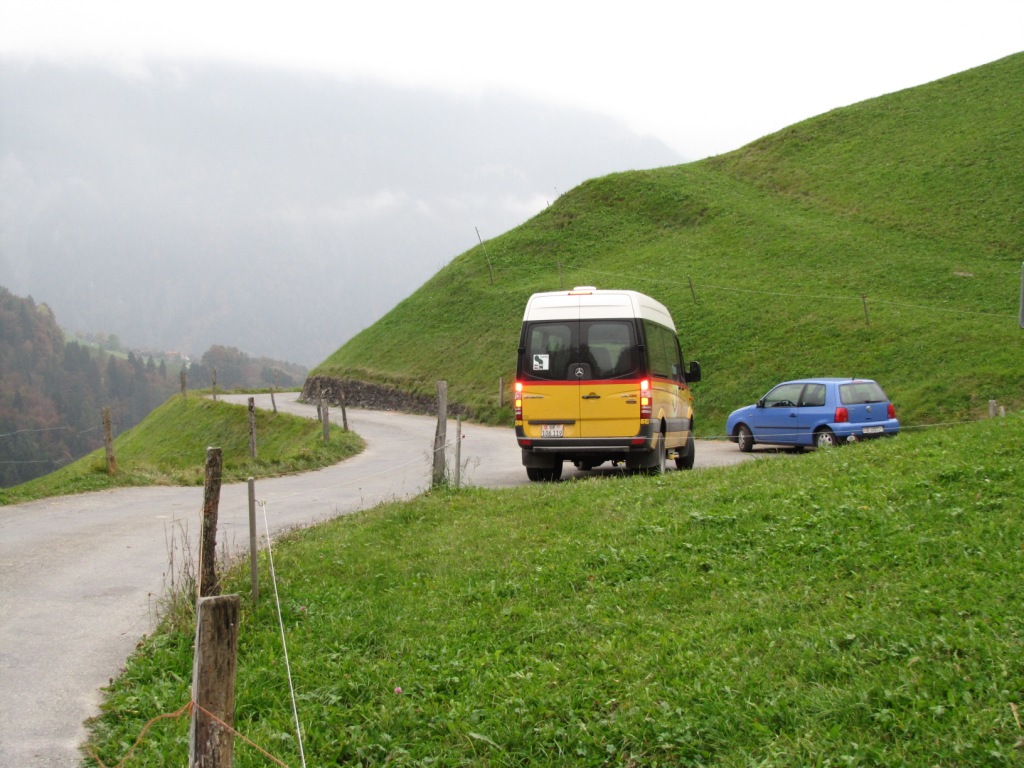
(873, 430)
(551, 430)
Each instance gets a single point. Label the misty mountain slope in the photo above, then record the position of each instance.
(882, 240)
(278, 213)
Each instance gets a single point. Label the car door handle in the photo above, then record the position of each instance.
(592, 396)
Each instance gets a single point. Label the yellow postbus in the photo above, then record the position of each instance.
(600, 377)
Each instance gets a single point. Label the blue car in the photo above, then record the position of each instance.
(814, 412)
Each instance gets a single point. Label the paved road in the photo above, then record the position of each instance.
(81, 577)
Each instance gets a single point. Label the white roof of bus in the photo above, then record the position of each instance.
(587, 303)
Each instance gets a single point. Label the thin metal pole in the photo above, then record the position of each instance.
(458, 452)
(1022, 294)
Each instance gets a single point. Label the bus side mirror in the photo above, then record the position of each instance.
(693, 372)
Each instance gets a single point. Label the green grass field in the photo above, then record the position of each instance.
(856, 606)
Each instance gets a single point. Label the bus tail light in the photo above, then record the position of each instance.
(645, 399)
(519, 402)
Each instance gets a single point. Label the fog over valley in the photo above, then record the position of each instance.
(181, 206)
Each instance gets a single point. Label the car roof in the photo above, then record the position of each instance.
(825, 380)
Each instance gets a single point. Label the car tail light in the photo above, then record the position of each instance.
(645, 400)
(842, 415)
(519, 402)
(892, 411)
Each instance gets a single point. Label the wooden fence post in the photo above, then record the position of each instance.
(252, 427)
(440, 436)
(273, 402)
(344, 413)
(325, 418)
(108, 442)
(211, 745)
(501, 391)
(214, 374)
(254, 571)
(208, 585)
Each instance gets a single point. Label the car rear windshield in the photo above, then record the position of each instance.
(860, 392)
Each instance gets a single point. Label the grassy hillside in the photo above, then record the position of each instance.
(884, 239)
(169, 448)
(853, 607)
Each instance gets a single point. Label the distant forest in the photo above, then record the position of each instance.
(53, 392)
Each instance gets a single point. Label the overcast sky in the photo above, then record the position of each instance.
(277, 176)
(703, 77)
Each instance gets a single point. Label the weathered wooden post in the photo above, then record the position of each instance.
(252, 427)
(325, 418)
(440, 436)
(344, 413)
(108, 442)
(211, 738)
(214, 374)
(273, 402)
(501, 391)
(254, 573)
(208, 585)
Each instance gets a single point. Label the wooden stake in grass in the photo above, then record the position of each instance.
(252, 428)
(325, 418)
(344, 413)
(208, 585)
(440, 436)
(211, 738)
(108, 442)
(253, 554)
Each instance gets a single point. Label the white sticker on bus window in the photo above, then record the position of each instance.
(540, 362)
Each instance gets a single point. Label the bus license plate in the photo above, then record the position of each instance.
(551, 430)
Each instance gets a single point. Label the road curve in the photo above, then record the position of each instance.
(82, 577)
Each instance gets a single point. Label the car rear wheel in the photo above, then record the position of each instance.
(825, 438)
(744, 438)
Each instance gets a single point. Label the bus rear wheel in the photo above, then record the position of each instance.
(545, 474)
